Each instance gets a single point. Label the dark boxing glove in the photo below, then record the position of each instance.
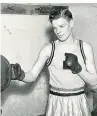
(72, 63)
(16, 72)
(5, 74)
(9, 72)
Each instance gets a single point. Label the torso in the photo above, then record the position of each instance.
(64, 78)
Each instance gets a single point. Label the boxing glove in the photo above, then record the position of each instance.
(72, 63)
(5, 73)
(9, 72)
(16, 72)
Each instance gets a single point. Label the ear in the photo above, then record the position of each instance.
(72, 23)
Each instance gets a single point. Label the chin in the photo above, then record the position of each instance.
(62, 40)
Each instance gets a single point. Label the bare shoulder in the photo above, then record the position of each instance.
(88, 50)
(46, 49)
(87, 47)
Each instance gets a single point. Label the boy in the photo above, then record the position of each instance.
(71, 66)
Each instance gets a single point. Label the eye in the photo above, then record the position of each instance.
(62, 26)
(54, 28)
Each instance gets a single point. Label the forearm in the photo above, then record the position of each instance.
(89, 78)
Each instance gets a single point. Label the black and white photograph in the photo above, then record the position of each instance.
(48, 59)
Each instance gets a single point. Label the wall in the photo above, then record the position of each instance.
(22, 38)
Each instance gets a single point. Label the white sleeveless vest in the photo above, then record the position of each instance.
(64, 78)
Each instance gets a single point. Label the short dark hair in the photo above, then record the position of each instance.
(59, 11)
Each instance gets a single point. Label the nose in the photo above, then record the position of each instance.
(58, 31)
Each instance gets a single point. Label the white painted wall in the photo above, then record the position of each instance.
(22, 38)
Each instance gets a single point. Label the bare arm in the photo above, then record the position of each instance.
(36, 69)
(89, 75)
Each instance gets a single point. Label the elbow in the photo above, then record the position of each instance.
(30, 78)
(33, 79)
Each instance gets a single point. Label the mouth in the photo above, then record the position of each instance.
(60, 35)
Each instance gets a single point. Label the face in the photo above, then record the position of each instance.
(62, 28)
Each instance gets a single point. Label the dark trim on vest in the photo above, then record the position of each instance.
(66, 94)
(82, 51)
(52, 54)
